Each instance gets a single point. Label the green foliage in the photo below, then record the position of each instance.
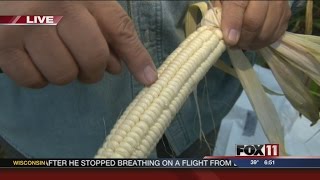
(297, 21)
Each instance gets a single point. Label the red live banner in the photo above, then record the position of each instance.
(30, 20)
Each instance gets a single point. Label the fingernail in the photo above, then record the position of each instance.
(233, 36)
(150, 74)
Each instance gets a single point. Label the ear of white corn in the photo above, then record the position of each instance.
(147, 117)
(145, 120)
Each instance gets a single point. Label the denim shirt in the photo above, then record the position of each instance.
(72, 121)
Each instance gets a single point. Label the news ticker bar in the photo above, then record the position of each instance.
(165, 163)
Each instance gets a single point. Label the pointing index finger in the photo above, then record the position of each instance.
(121, 35)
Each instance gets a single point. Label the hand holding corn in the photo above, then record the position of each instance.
(145, 120)
(253, 24)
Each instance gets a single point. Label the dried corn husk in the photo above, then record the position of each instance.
(299, 57)
(290, 80)
(290, 58)
(265, 110)
(311, 60)
(309, 19)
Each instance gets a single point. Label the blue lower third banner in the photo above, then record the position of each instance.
(273, 162)
(279, 163)
(207, 162)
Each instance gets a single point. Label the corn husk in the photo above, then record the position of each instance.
(291, 59)
(309, 17)
(299, 57)
(310, 38)
(291, 82)
(265, 110)
(301, 44)
(229, 70)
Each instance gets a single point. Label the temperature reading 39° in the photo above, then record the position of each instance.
(254, 162)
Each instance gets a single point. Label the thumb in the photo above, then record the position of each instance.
(232, 19)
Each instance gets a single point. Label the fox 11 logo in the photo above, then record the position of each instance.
(257, 150)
